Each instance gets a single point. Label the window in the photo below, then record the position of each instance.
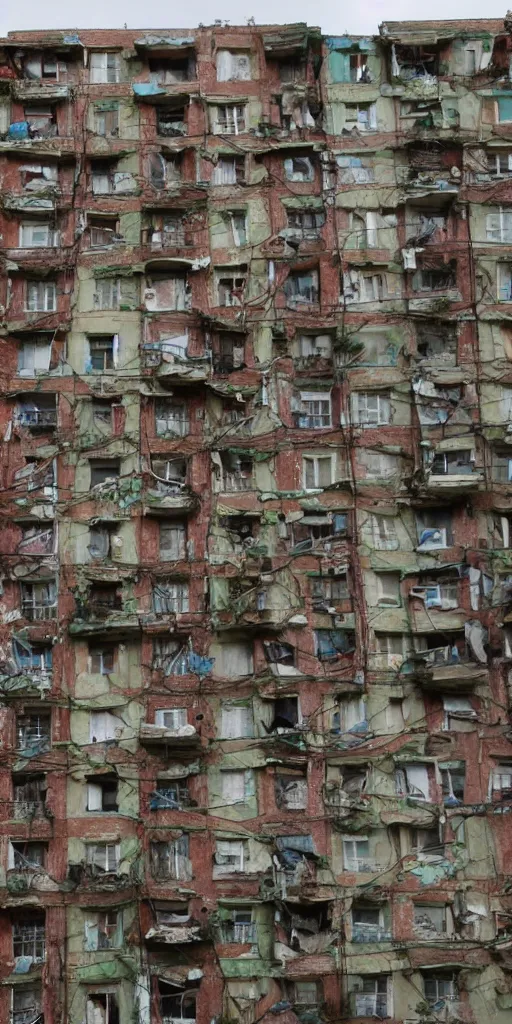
(504, 109)
(26, 1004)
(501, 467)
(164, 171)
(383, 533)
(34, 356)
(439, 988)
(315, 346)
(176, 1005)
(237, 473)
(236, 224)
(102, 1008)
(434, 530)
(171, 475)
(104, 726)
(330, 643)
(368, 925)
(45, 66)
(499, 163)
(240, 927)
(498, 225)
(39, 600)
(171, 860)
(412, 780)
(299, 168)
(350, 714)
(453, 462)
(364, 287)
(170, 598)
(500, 781)
(356, 854)
(167, 292)
(170, 796)
(430, 921)
(304, 223)
(101, 472)
(41, 296)
(233, 66)
(458, 711)
(171, 417)
(172, 541)
(291, 790)
(302, 287)
(170, 657)
(434, 280)
(229, 170)
(102, 231)
(315, 411)
(102, 795)
(103, 858)
(329, 590)
(107, 293)
(362, 116)
(37, 235)
(388, 588)
(106, 118)
(102, 659)
(235, 786)
(305, 993)
(28, 938)
(372, 408)
(355, 170)
(104, 68)
(391, 649)
(172, 719)
(103, 350)
(104, 930)
(231, 856)
(453, 777)
(29, 796)
(170, 71)
(234, 660)
(317, 471)
(27, 856)
(377, 465)
(372, 999)
(230, 288)
(230, 119)
(236, 721)
(41, 117)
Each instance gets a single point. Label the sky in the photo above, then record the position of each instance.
(331, 18)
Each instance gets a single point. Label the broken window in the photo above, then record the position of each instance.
(103, 930)
(453, 777)
(164, 171)
(39, 600)
(502, 467)
(434, 529)
(228, 352)
(299, 168)
(383, 533)
(291, 790)
(34, 730)
(170, 598)
(33, 659)
(368, 925)
(302, 287)
(315, 346)
(364, 287)
(430, 921)
(233, 66)
(29, 796)
(42, 120)
(103, 231)
(106, 180)
(304, 223)
(372, 998)
(229, 170)
(436, 279)
(41, 297)
(231, 856)
(439, 988)
(331, 643)
(412, 780)
(425, 841)
(237, 472)
(171, 657)
(176, 1004)
(170, 71)
(236, 721)
(170, 795)
(171, 120)
(378, 465)
(103, 351)
(437, 343)
(329, 590)
(230, 119)
(172, 541)
(28, 938)
(27, 856)
(105, 68)
(102, 794)
(37, 235)
(453, 462)
(171, 475)
(102, 659)
(230, 287)
(350, 714)
(36, 412)
(317, 471)
(43, 65)
(171, 860)
(26, 1004)
(361, 116)
(106, 118)
(34, 356)
(169, 291)
(458, 711)
(102, 1007)
(171, 417)
(388, 588)
(101, 472)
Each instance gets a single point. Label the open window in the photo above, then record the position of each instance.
(102, 1007)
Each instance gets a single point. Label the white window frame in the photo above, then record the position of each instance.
(351, 859)
(365, 119)
(233, 120)
(502, 229)
(372, 408)
(112, 855)
(317, 406)
(104, 67)
(40, 361)
(172, 719)
(29, 229)
(238, 852)
(315, 461)
(41, 297)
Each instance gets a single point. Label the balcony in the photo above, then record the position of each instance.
(370, 933)
(185, 737)
(35, 416)
(168, 359)
(448, 667)
(29, 89)
(103, 610)
(370, 1005)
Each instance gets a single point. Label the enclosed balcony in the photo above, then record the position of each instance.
(171, 728)
(36, 413)
(168, 490)
(39, 600)
(104, 609)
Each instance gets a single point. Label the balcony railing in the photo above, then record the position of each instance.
(29, 1015)
(36, 418)
(237, 482)
(370, 933)
(38, 612)
(369, 1005)
(361, 865)
(242, 933)
(28, 809)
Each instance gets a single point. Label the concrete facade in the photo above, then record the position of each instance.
(256, 613)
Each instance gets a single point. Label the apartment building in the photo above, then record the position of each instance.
(256, 548)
